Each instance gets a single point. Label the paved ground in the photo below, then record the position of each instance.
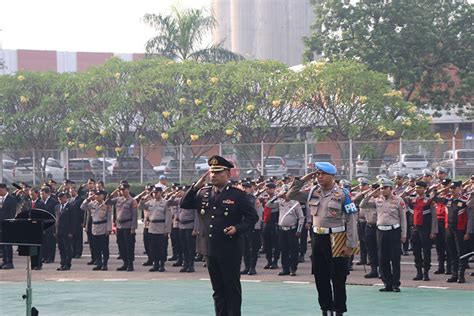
(67, 285)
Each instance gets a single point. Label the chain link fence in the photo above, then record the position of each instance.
(184, 164)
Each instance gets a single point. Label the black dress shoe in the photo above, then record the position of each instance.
(426, 277)
(418, 277)
(452, 279)
(267, 266)
(245, 271)
(274, 266)
(172, 258)
(61, 268)
(371, 275)
(396, 289)
(439, 271)
(191, 269)
(122, 268)
(130, 267)
(104, 268)
(154, 269)
(147, 263)
(48, 261)
(90, 263)
(361, 263)
(119, 258)
(252, 271)
(177, 264)
(386, 289)
(37, 268)
(284, 273)
(8, 266)
(292, 273)
(461, 279)
(183, 269)
(97, 268)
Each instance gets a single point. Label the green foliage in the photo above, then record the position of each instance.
(180, 34)
(426, 46)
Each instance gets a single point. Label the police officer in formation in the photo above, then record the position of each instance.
(126, 223)
(225, 214)
(101, 219)
(391, 232)
(333, 218)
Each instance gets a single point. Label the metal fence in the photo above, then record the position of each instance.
(184, 164)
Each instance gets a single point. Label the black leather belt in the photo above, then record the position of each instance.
(124, 221)
(100, 222)
(186, 222)
(158, 221)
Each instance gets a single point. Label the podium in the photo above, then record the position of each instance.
(26, 232)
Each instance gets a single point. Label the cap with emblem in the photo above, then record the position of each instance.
(100, 192)
(427, 173)
(421, 184)
(456, 184)
(384, 182)
(441, 170)
(345, 183)
(326, 167)
(162, 177)
(157, 188)
(363, 181)
(446, 181)
(218, 163)
(411, 177)
(124, 186)
(246, 184)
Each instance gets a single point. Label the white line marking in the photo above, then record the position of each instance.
(251, 281)
(204, 279)
(67, 280)
(433, 287)
(165, 279)
(115, 280)
(296, 282)
(378, 284)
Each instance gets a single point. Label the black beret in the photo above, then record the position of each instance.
(421, 184)
(124, 186)
(101, 192)
(246, 184)
(271, 185)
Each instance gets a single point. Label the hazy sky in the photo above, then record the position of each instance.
(82, 25)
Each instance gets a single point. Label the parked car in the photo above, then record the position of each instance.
(128, 168)
(273, 166)
(295, 166)
(8, 171)
(313, 158)
(79, 169)
(172, 170)
(201, 166)
(462, 158)
(24, 170)
(160, 169)
(361, 168)
(409, 163)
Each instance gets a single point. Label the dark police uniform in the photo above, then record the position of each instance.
(218, 210)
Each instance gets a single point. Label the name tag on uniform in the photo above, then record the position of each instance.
(460, 204)
(229, 202)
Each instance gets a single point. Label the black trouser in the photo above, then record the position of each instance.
(7, 253)
(225, 279)
(270, 236)
(362, 241)
(421, 243)
(49, 244)
(289, 249)
(176, 243)
(441, 246)
(371, 243)
(329, 274)
(251, 245)
(146, 243)
(65, 250)
(188, 244)
(303, 241)
(406, 244)
(101, 247)
(36, 261)
(92, 247)
(158, 247)
(126, 244)
(77, 242)
(389, 252)
(457, 247)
